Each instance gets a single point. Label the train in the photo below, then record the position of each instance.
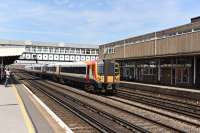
(94, 76)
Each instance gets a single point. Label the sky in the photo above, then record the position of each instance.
(90, 21)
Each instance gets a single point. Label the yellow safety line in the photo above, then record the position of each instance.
(26, 117)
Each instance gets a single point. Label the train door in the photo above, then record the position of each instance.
(94, 71)
(88, 72)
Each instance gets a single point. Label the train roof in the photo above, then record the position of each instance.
(35, 65)
(73, 64)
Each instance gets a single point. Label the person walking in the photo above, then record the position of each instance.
(7, 72)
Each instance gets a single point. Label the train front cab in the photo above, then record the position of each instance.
(108, 75)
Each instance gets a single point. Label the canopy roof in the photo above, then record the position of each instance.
(8, 54)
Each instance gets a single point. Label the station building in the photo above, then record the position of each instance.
(46, 52)
(168, 57)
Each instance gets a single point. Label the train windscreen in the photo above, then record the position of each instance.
(109, 68)
(100, 69)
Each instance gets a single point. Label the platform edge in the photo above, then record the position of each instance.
(24, 112)
(51, 113)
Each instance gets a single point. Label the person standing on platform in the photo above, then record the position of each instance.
(7, 72)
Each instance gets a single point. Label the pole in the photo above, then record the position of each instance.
(159, 72)
(1, 68)
(155, 51)
(176, 72)
(172, 71)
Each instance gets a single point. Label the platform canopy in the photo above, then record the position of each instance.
(8, 54)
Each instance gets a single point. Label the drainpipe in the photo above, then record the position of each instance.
(155, 45)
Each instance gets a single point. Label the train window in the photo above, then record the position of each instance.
(77, 70)
(51, 69)
(37, 68)
(111, 69)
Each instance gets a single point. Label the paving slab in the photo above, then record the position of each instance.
(11, 116)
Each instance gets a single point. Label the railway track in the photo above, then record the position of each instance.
(143, 122)
(183, 108)
(76, 124)
(101, 120)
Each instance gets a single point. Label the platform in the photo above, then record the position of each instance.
(20, 112)
(12, 114)
(168, 90)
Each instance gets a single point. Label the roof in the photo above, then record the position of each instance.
(194, 26)
(8, 54)
(53, 44)
(7, 51)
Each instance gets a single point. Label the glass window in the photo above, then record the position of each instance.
(78, 51)
(76, 70)
(62, 50)
(88, 51)
(45, 49)
(57, 50)
(72, 51)
(97, 51)
(51, 69)
(100, 69)
(38, 68)
(51, 50)
(66, 51)
(82, 51)
(93, 52)
(33, 49)
(183, 70)
(38, 49)
(111, 50)
(27, 49)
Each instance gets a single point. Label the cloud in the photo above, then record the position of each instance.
(33, 32)
(92, 21)
(61, 2)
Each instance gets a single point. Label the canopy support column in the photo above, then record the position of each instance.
(2, 68)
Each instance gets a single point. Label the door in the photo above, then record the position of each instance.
(182, 76)
(198, 71)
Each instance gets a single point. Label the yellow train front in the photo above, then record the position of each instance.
(108, 76)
